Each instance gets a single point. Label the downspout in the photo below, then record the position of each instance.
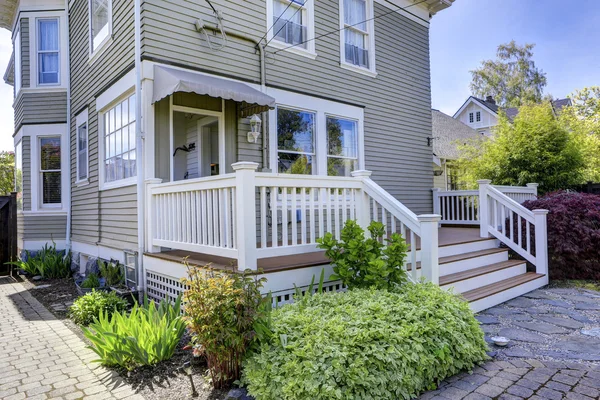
(68, 205)
(139, 145)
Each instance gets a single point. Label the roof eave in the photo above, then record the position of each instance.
(8, 8)
(435, 6)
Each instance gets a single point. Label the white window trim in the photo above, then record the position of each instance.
(372, 70)
(82, 119)
(105, 43)
(102, 184)
(33, 44)
(322, 108)
(309, 51)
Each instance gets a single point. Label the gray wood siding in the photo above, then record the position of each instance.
(26, 173)
(105, 217)
(20, 226)
(40, 108)
(44, 227)
(397, 102)
(25, 62)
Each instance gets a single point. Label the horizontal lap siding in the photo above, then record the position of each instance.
(26, 173)
(25, 63)
(397, 102)
(106, 217)
(40, 108)
(44, 227)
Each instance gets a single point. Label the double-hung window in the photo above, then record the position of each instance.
(357, 32)
(478, 116)
(82, 147)
(470, 118)
(290, 22)
(295, 141)
(48, 51)
(119, 141)
(100, 22)
(342, 146)
(50, 172)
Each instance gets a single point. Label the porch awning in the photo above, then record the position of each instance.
(168, 81)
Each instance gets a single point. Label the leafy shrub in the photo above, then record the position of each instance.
(365, 344)
(111, 271)
(48, 263)
(366, 263)
(146, 336)
(573, 234)
(224, 313)
(87, 308)
(92, 281)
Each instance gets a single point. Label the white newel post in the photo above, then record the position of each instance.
(151, 215)
(430, 268)
(533, 187)
(436, 201)
(484, 213)
(363, 208)
(245, 211)
(541, 241)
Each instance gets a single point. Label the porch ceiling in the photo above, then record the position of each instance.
(7, 13)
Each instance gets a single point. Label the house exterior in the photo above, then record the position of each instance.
(233, 133)
(448, 135)
(482, 115)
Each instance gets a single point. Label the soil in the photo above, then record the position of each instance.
(165, 380)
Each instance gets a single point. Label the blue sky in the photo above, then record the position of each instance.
(566, 34)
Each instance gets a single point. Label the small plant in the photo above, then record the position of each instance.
(47, 262)
(111, 271)
(146, 336)
(374, 262)
(226, 314)
(87, 308)
(92, 281)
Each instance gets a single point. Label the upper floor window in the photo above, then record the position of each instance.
(470, 118)
(478, 116)
(50, 172)
(357, 30)
(119, 141)
(295, 141)
(48, 52)
(290, 26)
(100, 22)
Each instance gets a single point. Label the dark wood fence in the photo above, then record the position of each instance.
(590, 187)
(8, 232)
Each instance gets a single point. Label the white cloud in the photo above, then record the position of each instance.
(6, 94)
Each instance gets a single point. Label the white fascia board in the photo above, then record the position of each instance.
(418, 13)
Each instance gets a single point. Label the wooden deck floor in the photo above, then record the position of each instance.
(447, 237)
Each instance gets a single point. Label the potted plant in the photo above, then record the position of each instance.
(88, 283)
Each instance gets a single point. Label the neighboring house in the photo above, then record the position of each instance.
(448, 135)
(233, 132)
(482, 115)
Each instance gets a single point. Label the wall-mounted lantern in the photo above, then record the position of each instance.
(255, 125)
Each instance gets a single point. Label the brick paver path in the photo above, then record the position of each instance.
(41, 358)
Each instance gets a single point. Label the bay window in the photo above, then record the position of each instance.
(48, 51)
(357, 33)
(119, 161)
(100, 22)
(50, 170)
(295, 141)
(342, 146)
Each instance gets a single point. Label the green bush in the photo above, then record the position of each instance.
(92, 281)
(224, 313)
(365, 263)
(146, 336)
(48, 263)
(365, 344)
(87, 308)
(111, 271)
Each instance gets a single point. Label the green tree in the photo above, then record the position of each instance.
(536, 147)
(512, 79)
(7, 172)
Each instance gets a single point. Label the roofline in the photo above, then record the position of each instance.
(8, 11)
(11, 65)
(470, 100)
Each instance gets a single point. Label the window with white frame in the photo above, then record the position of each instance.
(50, 171)
(48, 51)
(100, 22)
(357, 33)
(17, 61)
(290, 22)
(342, 146)
(119, 141)
(470, 118)
(82, 146)
(478, 116)
(295, 141)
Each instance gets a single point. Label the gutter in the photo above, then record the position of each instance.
(139, 146)
(69, 211)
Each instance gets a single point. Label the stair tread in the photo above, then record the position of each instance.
(463, 256)
(497, 287)
(474, 272)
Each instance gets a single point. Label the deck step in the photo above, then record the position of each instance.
(494, 288)
(475, 272)
(462, 257)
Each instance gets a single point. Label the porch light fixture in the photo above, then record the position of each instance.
(255, 125)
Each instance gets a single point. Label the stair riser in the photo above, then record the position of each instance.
(506, 295)
(470, 263)
(486, 279)
(445, 251)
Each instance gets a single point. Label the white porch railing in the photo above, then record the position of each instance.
(248, 215)
(461, 207)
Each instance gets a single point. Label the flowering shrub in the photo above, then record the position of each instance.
(573, 234)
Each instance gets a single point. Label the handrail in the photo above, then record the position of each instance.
(510, 203)
(208, 182)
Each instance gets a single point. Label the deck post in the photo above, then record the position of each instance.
(430, 268)
(436, 201)
(363, 208)
(484, 213)
(534, 188)
(541, 241)
(151, 215)
(245, 211)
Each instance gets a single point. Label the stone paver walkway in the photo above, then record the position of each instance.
(41, 358)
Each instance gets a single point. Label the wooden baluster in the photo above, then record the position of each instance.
(321, 210)
(205, 217)
(393, 223)
(384, 222)
(312, 205)
(274, 217)
(503, 219)
(222, 222)
(375, 210)
(336, 212)
(344, 208)
(328, 206)
(284, 217)
(512, 228)
(528, 236)
(234, 224)
(303, 215)
(263, 217)
(228, 229)
(519, 232)
(413, 255)
(294, 215)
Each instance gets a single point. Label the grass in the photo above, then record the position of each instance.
(572, 283)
